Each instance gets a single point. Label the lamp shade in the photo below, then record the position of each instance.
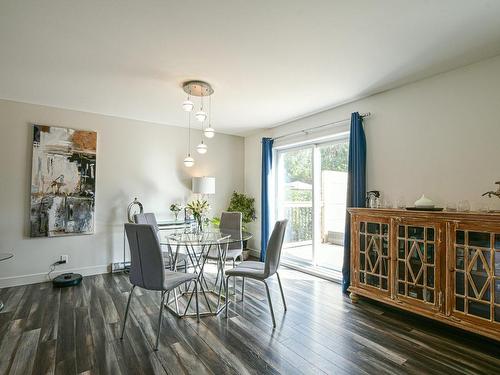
(203, 185)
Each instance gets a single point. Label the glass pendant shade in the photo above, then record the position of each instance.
(202, 148)
(209, 132)
(187, 105)
(189, 161)
(200, 116)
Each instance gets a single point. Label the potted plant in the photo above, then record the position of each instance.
(241, 202)
(198, 208)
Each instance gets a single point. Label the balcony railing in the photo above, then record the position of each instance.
(300, 216)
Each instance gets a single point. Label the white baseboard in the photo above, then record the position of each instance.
(254, 253)
(42, 277)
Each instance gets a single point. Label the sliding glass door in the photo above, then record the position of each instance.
(295, 202)
(311, 185)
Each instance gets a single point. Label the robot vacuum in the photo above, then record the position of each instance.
(67, 279)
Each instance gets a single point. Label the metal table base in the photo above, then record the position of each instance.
(198, 261)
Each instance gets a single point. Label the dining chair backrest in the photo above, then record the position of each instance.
(232, 223)
(146, 218)
(273, 252)
(146, 266)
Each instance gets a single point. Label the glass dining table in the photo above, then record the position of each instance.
(197, 246)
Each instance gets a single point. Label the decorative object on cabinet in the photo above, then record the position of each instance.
(424, 202)
(496, 193)
(425, 208)
(373, 199)
(62, 181)
(443, 265)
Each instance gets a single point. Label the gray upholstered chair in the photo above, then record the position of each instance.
(182, 259)
(263, 270)
(147, 269)
(230, 222)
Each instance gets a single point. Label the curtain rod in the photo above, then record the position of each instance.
(308, 130)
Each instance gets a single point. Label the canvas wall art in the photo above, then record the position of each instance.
(62, 181)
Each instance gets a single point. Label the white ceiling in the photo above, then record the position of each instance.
(268, 61)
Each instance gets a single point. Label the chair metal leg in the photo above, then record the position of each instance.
(126, 311)
(186, 286)
(227, 296)
(159, 320)
(176, 301)
(243, 289)
(234, 279)
(196, 300)
(270, 303)
(281, 289)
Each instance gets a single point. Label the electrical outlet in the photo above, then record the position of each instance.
(64, 258)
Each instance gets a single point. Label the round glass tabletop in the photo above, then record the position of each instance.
(211, 237)
(5, 256)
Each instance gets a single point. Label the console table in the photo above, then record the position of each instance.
(4, 256)
(443, 265)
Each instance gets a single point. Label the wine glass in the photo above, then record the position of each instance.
(401, 202)
(464, 206)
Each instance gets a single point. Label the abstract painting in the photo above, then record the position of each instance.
(62, 181)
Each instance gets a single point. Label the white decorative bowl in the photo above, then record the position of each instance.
(424, 202)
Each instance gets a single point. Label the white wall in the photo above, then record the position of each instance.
(439, 136)
(134, 159)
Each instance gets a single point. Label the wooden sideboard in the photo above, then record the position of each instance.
(443, 265)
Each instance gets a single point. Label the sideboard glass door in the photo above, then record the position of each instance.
(417, 269)
(476, 292)
(374, 255)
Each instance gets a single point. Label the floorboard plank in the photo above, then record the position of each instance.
(46, 330)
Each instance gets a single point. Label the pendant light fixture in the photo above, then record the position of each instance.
(209, 131)
(201, 115)
(200, 89)
(189, 161)
(202, 147)
(187, 105)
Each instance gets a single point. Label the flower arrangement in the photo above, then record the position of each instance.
(175, 208)
(198, 208)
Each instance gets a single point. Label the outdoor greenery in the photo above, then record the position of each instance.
(298, 164)
(335, 157)
(292, 195)
(299, 168)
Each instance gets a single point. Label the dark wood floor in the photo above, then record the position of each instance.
(76, 330)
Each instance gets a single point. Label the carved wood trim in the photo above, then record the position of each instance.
(477, 265)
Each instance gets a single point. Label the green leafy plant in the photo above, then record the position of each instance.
(241, 202)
